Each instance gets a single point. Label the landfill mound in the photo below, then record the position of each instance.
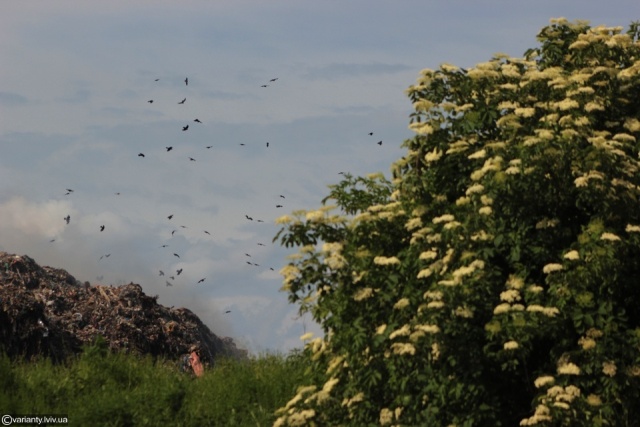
(45, 311)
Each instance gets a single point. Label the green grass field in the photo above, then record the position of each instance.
(99, 388)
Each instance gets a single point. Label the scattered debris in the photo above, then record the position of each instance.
(45, 311)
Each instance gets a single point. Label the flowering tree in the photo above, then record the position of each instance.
(496, 279)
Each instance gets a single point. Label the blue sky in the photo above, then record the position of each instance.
(75, 81)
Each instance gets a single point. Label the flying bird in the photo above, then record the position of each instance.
(261, 244)
(156, 80)
(207, 232)
(242, 144)
(186, 81)
(248, 255)
(248, 217)
(192, 159)
(267, 145)
(183, 226)
(52, 240)
(228, 311)
(282, 196)
(209, 146)
(140, 155)
(117, 194)
(172, 277)
(102, 228)
(176, 255)
(278, 206)
(273, 80)
(161, 273)
(67, 218)
(264, 86)
(164, 246)
(170, 216)
(184, 128)
(168, 283)
(183, 101)
(69, 190)
(169, 149)
(370, 133)
(201, 280)
(150, 101)
(260, 220)
(173, 232)
(179, 271)
(197, 121)
(379, 142)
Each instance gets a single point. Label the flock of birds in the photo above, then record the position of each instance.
(178, 271)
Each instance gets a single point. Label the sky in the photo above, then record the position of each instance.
(76, 78)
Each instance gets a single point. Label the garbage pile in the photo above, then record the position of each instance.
(45, 311)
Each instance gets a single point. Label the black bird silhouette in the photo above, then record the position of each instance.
(107, 255)
(271, 268)
(228, 311)
(168, 283)
(52, 240)
(201, 280)
(267, 144)
(170, 216)
(102, 228)
(169, 148)
(164, 246)
(183, 226)
(261, 244)
(186, 81)
(278, 206)
(172, 277)
(185, 128)
(370, 133)
(67, 218)
(69, 190)
(179, 271)
(248, 262)
(248, 217)
(176, 255)
(260, 220)
(140, 155)
(192, 159)
(156, 80)
(273, 80)
(183, 101)
(282, 196)
(150, 101)
(264, 86)
(161, 273)
(207, 232)
(173, 232)
(241, 143)
(117, 194)
(379, 142)
(209, 146)
(197, 121)
(248, 255)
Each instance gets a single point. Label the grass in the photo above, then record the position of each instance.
(100, 388)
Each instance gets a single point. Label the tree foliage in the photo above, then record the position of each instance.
(495, 279)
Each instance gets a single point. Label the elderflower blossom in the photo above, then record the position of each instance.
(568, 369)
(510, 295)
(382, 260)
(403, 348)
(443, 218)
(402, 303)
(363, 294)
(511, 345)
(609, 368)
(572, 255)
(386, 416)
(632, 228)
(587, 343)
(542, 381)
(550, 268)
(485, 210)
(476, 188)
(609, 236)
(594, 400)
(433, 156)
